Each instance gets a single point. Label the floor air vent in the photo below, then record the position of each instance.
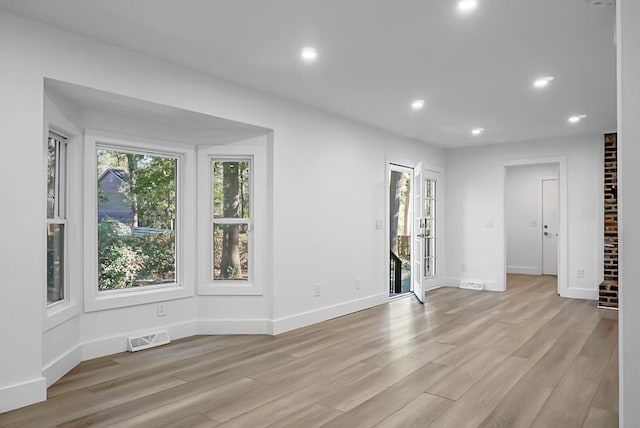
(472, 285)
(138, 343)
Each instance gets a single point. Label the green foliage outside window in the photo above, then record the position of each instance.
(139, 247)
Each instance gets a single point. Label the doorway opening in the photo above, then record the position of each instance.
(532, 210)
(400, 225)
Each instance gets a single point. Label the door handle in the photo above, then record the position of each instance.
(546, 233)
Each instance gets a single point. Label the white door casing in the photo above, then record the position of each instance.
(417, 238)
(550, 200)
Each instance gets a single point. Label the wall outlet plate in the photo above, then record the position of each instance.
(161, 310)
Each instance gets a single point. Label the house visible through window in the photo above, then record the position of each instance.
(137, 211)
(56, 217)
(231, 217)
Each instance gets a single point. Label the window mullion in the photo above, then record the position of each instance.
(246, 221)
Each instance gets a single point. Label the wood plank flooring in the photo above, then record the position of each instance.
(524, 358)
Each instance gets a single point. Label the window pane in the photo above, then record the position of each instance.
(55, 176)
(430, 208)
(55, 263)
(430, 266)
(430, 227)
(231, 189)
(230, 252)
(51, 176)
(137, 202)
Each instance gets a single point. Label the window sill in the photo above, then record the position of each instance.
(230, 288)
(112, 300)
(59, 313)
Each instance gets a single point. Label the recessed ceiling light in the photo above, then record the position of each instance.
(542, 82)
(577, 118)
(466, 6)
(477, 131)
(309, 54)
(417, 104)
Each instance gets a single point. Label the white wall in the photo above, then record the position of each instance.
(628, 27)
(474, 201)
(328, 187)
(523, 214)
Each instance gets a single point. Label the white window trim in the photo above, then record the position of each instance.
(257, 152)
(60, 212)
(58, 312)
(95, 300)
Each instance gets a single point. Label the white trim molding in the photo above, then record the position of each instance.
(581, 293)
(234, 326)
(256, 150)
(23, 394)
(524, 270)
(563, 238)
(184, 286)
(118, 343)
(304, 319)
(62, 365)
(487, 285)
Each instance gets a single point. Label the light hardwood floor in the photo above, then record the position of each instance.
(524, 358)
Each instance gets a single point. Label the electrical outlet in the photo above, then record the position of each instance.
(357, 284)
(317, 289)
(161, 310)
(580, 273)
(463, 268)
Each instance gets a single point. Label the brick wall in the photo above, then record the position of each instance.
(609, 287)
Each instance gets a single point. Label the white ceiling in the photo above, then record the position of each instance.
(118, 115)
(376, 56)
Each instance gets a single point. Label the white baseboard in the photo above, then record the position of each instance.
(62, 365)
(524, 270)
(580, 293)
(114, 344)
(451, 282)
(23, 394)
(488, 285)
(233, 326)
(293, 322)
(493, 286)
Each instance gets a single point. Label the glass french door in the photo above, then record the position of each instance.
(430, 186)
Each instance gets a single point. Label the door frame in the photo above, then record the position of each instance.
(541, 222)
(563, 245)
(403, 163)
(427, 169)
(395, 167)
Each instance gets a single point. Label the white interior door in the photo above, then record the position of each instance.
(550, 201)
(418, 234)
